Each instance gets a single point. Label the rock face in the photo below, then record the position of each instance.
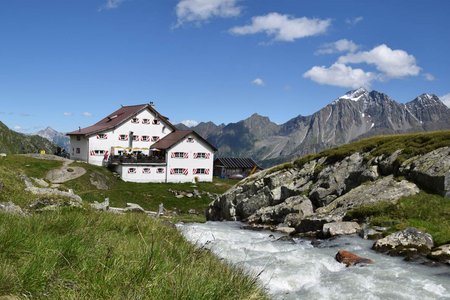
(350, 259)
(441, 254)
(405, 242)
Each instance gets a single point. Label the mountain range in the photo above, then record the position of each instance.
(355, 115)
(15, 142)
(59, 138)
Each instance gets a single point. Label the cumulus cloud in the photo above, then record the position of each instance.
(428, 76)
(202, 10)
(354, 21)
(340, 75)
(283, 27)
(446, 99)
(392, 63)
(189, 123)
(67, 114)
(87, 114)
(258, 82)
(111, 4)
(342, 45)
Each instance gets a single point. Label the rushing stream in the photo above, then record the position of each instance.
(300, 271)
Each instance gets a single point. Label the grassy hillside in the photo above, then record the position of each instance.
(14, 142)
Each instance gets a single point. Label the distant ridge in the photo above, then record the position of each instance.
(354, 115)
(12, 142)
(59, 138)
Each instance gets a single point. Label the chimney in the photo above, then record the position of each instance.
(151, 104)
(79, 128)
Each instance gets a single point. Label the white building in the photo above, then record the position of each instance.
(143, 146)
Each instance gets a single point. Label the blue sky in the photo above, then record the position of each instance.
(69, 63)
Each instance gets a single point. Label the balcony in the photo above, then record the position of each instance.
(132, 159)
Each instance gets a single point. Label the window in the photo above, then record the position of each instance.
(135, 120)
(135, 138)
(179, 171)
(78, 138)
(179, 155)
(155, 138)
(200, 171)
(102, 136)
(201, 155)
(145, 138)
(145, 121)
(132, 171)
(146, 170)
(160, 170)
(123, 137)
(155, 122)
(99, 152)
(190, 140)
(78, 151)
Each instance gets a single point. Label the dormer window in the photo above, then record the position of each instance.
(123, 137)
(190, 140)
(145, 138)
(155, 138)
(145, 121)
(135, 120)
(102, 136)
(156, 122)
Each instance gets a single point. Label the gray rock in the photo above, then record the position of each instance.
(431, 171)
(40, 182)
(312, 224)
(247, 206)
(340, 228)
(299, 205)
(386, 165)
(99, 181)
(368, 233)
(441, 254)
(410, 241)
(385, 189)
(46, 204)
(285, 229)
(103, 206)
(11, 208)
(189, 195)
(133, 207)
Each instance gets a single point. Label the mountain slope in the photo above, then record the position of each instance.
(14, 142)
(56, 137)
(355, 115)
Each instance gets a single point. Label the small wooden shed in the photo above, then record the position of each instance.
(225, 167)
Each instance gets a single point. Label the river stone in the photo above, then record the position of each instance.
(431, 171)
(350, 259)
(340, 228)
(276, 214)
(405, 242)
(441, 254)
(248, 206)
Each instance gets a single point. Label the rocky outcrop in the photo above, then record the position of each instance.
(431, 171)
(11, 208)
(410, 241)
(441, 254)
(340, 228)
(350, 259)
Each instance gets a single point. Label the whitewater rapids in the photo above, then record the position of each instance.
(298, 270)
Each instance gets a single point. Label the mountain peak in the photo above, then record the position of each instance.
(354, 95)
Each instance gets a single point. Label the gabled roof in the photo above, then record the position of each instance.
(236, 162)
(173, 138)
(117, 118)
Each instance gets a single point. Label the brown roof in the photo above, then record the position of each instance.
(118, 117)
(174, 137)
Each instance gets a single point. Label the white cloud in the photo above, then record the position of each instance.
(354, 21)
(87, 114)
(17, 127)
(111, 4)
(340, 75)
(392, 63)
(429, 76)
(202, 10)
(67, 114)
(342, 45)
(283, 27)
(189, 123)
(258, 82)
(446, 99)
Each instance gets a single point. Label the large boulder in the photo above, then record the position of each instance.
(340, 228)
(385, 189)
(407, 242)
(350, 259)
(431, 171)
(276, 214)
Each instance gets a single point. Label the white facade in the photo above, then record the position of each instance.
(190, 158)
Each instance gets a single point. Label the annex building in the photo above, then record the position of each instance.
(143, 146)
